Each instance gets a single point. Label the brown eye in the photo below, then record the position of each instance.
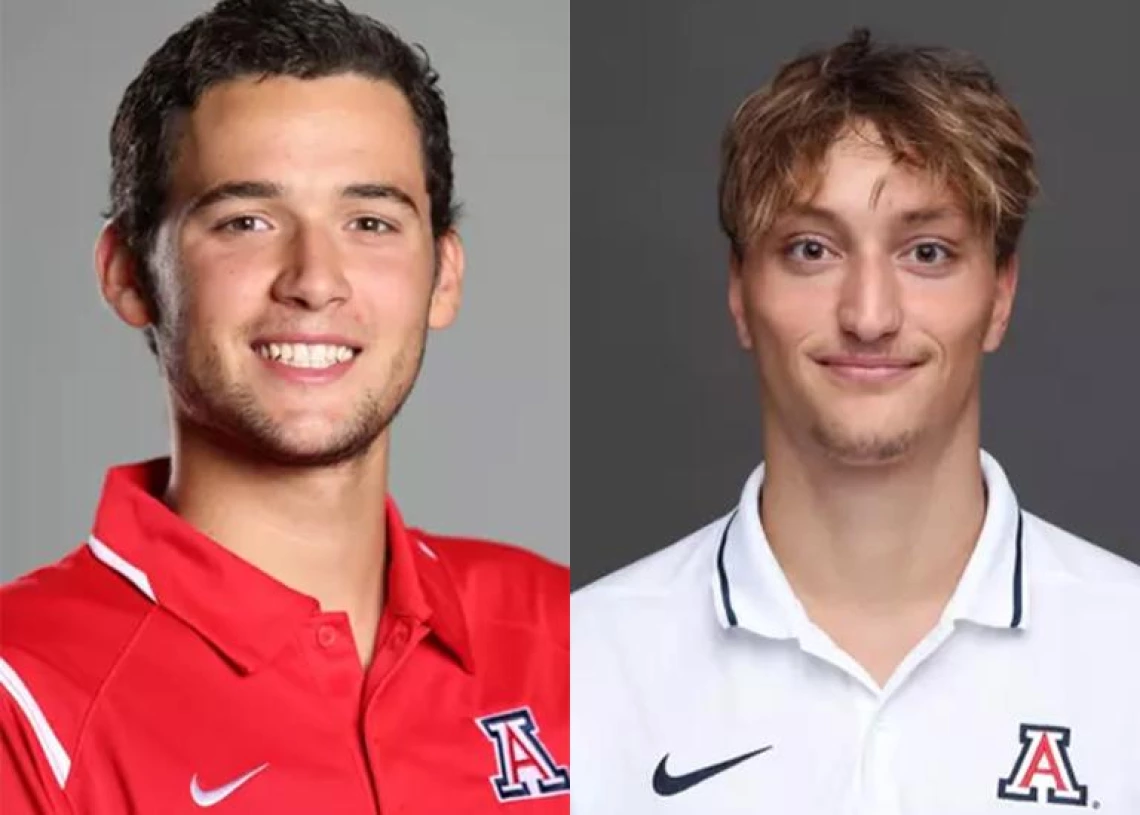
(929, 253)
(369, 223)
(808, 249)
(244, 223)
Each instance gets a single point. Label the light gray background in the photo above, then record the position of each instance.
(483, 446)
(665, 411)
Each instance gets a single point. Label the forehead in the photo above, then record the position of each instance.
(336, 129)
(859, 174)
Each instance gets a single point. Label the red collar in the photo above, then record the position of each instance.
(244, 612)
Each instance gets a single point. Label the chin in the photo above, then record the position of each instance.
(310, 452)
(865, 448)
(322, 440)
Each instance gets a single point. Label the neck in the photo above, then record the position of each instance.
(874, 553)
(320, 531)
(880, 538)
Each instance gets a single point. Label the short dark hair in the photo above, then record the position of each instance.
(307, 39)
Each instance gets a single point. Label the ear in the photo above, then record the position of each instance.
(117, 269)
(1007, 276)
(736, 301)
(448, 292)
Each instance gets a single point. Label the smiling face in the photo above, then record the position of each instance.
(296, 270)
(868, 310)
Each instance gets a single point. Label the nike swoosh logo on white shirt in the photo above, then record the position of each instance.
(207, 798)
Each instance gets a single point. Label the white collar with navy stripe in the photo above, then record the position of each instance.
(751, 591)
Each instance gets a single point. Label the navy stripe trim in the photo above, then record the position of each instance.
(725, 594)
(1016, 622)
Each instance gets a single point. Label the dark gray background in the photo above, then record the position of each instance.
(665, 407)
(483, 446)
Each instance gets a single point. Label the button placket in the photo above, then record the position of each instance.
(878, 760)
(400, 635)
(331, 654)
(327, 635)
(882, 760)
(866, 707)
(394, 651)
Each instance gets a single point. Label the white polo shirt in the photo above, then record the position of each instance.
(699, 685)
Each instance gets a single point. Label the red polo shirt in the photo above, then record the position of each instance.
(152, 671)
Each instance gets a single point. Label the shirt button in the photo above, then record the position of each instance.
(400, 635)
(326, 636)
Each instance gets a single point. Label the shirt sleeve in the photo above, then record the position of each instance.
(28, 785)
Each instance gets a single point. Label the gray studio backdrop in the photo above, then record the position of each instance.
(665, 416)
(482, 447)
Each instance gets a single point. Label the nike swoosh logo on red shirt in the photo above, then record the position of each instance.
(208, 798)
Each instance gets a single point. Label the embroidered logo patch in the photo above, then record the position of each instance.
(1044, 766)
(526, 770)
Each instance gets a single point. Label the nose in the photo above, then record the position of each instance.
(870, 302)
(312, 272)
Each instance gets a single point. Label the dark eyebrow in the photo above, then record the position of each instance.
(386, 191)
(235, 189)
(267, 189)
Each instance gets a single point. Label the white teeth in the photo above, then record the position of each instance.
(303, 355)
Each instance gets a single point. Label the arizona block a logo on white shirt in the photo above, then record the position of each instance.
(1043, 766)
(526, 768)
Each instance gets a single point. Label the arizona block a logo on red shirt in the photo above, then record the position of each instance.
(1043, 764)
(526, 768)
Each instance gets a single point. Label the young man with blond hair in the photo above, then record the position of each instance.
(877, 626)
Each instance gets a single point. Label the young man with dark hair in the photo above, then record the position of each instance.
(878, 626)
(251, 625)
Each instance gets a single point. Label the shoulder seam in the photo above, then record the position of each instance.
(97, 696)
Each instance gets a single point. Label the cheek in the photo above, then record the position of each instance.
(958, 320)
(784, 316)
(224, 289)
(394, 292)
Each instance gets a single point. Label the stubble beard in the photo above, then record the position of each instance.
(842, 445)
(231, 415)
